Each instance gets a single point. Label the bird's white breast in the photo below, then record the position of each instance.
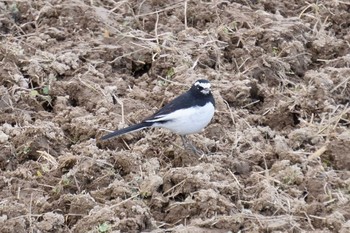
(187, 121)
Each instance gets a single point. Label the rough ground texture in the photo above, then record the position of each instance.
(277, 151)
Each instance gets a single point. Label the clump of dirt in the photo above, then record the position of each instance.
(276, 153)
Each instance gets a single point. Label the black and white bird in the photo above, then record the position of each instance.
(187, 114)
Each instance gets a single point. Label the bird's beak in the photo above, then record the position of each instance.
(206, 90)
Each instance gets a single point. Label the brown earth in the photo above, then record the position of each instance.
(277, 151)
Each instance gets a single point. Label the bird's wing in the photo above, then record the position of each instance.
(181, 102)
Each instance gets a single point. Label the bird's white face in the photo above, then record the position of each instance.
(203, 87)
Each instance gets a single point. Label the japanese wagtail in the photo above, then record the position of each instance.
(187, 114)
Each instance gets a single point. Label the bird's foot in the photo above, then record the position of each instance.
(192, 148)
(188, 146)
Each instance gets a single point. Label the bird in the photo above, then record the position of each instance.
(188, 113)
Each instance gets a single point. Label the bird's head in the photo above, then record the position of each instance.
(202, 86)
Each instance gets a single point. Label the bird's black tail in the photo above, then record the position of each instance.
(129, 129)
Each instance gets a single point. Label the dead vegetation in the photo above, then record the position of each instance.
(277, 149)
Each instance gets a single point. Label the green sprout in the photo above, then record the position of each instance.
(104, 227)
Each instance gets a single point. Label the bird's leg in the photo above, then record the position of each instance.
(187, 144)
(184, 140)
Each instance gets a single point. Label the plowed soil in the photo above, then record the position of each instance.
(277, 153)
